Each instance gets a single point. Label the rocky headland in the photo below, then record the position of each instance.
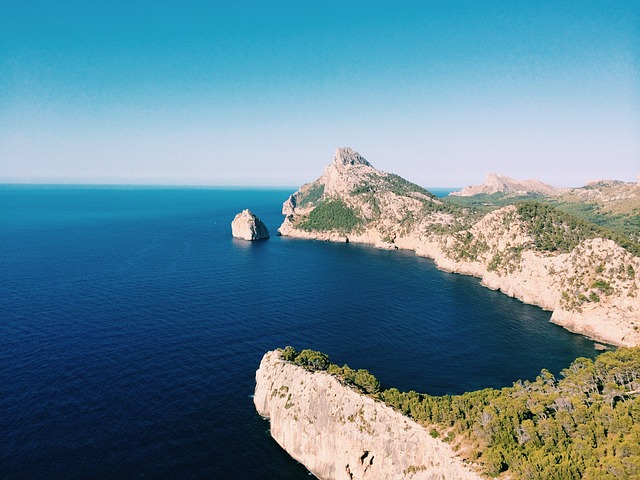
(247, 226)
(530, 251)
(341, 424)
(339, 433)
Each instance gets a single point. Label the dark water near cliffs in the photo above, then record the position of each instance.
(131, 326)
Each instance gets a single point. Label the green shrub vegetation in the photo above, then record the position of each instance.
(331, 215)
(625, 223)
(555, 230)
(552, 229)
(400, 186)
(603, 286)
(584, 425)
(470, 248)
(623, 228)
(311, 195)
(391, 183)
(313, 360)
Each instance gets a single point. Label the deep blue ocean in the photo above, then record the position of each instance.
(132, 323)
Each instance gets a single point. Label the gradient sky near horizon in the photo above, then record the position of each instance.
(261, 93)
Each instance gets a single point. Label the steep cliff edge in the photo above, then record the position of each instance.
(338, 433)
(583, 425)
(529, 251)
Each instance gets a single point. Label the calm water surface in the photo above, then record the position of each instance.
(131, 326)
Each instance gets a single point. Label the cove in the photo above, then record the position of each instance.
(132, 324)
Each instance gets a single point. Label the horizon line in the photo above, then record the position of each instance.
(164, 185)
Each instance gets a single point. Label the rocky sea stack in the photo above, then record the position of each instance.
(341, 434)
(247, 226)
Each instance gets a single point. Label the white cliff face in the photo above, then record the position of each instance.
(604, 306)
(338, 433)
(593, 290)
(247, 226)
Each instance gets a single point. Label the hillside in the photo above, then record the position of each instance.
(586, 274)
(611, 204)
(338, 433)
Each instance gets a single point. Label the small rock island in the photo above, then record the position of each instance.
(247, 226)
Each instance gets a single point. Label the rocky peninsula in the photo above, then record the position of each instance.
(339, 433)
(529, 251)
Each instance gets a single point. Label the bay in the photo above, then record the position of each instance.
(132, 323)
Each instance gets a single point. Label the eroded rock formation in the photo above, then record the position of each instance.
(247, 226)
(338, 433)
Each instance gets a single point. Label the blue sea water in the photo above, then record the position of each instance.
(132, 323)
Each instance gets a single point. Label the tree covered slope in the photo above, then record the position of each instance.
(585, 424)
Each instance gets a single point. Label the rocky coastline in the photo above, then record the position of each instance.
(593, 289)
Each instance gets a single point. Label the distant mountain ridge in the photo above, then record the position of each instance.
(495, 183)
(594, 191)
(609, 193)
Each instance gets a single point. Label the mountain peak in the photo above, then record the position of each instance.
(346, 156)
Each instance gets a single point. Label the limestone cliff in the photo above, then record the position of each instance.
(536, 254)
(338, 433)
(247, 226)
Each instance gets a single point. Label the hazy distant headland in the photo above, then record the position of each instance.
(573, 251)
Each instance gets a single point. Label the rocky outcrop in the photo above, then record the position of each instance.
(592, 288)
(247, 226)
(495, 183)
(338, 433)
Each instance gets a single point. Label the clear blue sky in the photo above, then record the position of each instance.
(251, 93)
